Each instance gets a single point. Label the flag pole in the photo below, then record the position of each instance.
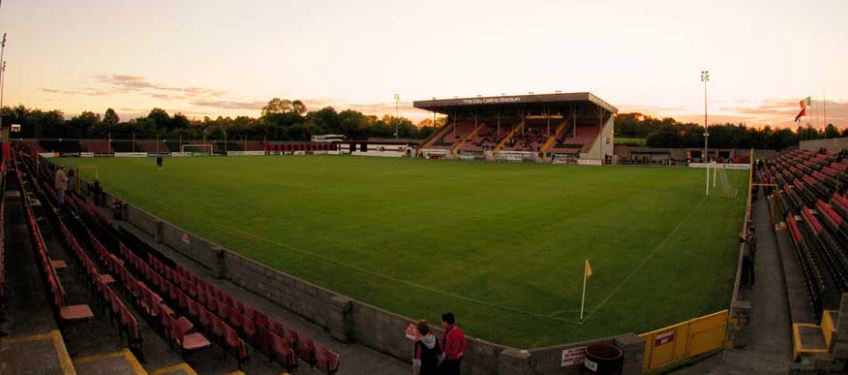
(824, 102)
(583, 299)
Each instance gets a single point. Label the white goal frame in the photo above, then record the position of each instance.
(715, 176)
(209, 145)
(714, 167)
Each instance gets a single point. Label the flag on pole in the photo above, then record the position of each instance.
(587, 272)
(803, 111)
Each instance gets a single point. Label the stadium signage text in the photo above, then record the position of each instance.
(664, 338)
(573, 356)
(513, 99)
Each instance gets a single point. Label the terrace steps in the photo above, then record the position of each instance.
(508, 137)
(471, 135)
(553, 138)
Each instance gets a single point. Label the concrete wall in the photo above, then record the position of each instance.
(547, 360)
(604, 144)
(831, 145)
(349, 320)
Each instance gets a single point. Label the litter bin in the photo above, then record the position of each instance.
(117, 209)
(603, 359)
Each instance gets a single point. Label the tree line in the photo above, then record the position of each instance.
(290, 120)
(667, 132)
(280, 119)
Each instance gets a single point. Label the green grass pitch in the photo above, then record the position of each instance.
(500, 245)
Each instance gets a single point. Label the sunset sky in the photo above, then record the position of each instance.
(215, 57)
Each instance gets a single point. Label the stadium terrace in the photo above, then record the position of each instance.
(572, 128)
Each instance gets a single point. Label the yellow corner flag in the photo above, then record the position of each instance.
(587, 272)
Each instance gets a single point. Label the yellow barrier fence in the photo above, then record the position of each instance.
(677, 342)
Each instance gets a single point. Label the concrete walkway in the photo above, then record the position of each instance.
(768, 337)
(34, 345)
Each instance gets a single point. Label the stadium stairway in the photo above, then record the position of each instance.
(508, 137)
(467, 137)
(811, 238)
(89, 347)
(34, 344)
(552, 140)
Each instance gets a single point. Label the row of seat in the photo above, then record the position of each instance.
(97, 282)
(813, 278)
(218, 314)
(293, 147)
(810, 197)
(192, 293)
(176, 330)
(65, 312)
(266, 335)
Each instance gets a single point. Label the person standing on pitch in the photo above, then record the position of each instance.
(453, 344)
(61, 184)
(427, 353)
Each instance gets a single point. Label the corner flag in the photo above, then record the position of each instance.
(587, 272)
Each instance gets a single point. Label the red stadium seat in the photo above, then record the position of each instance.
(306, 350)
(235, 345)
(281, 352)
(260, 319)
(234, 318)
(326, 360)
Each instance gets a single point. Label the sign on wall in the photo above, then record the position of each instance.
(411, 332)
(664, 338)
(573, 356)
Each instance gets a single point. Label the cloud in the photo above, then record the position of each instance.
(229, 104)
(772, 112)
(124, 83)
(652, 110)
(781, 112)
(118, 84)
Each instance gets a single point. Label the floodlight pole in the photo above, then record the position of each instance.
(2, 76)
(397, 115)
(705, 77)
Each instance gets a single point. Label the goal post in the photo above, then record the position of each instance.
(711, 165)
(204, 148)
(720, 182)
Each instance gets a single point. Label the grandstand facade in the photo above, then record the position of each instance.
(561, 127)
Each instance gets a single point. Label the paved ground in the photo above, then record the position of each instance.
(35, 345)
(768, 338)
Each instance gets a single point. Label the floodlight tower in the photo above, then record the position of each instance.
(705, 77)
(2, 76)
(397, 115)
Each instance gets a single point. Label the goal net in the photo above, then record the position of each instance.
(717, 182)
(197, 149)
